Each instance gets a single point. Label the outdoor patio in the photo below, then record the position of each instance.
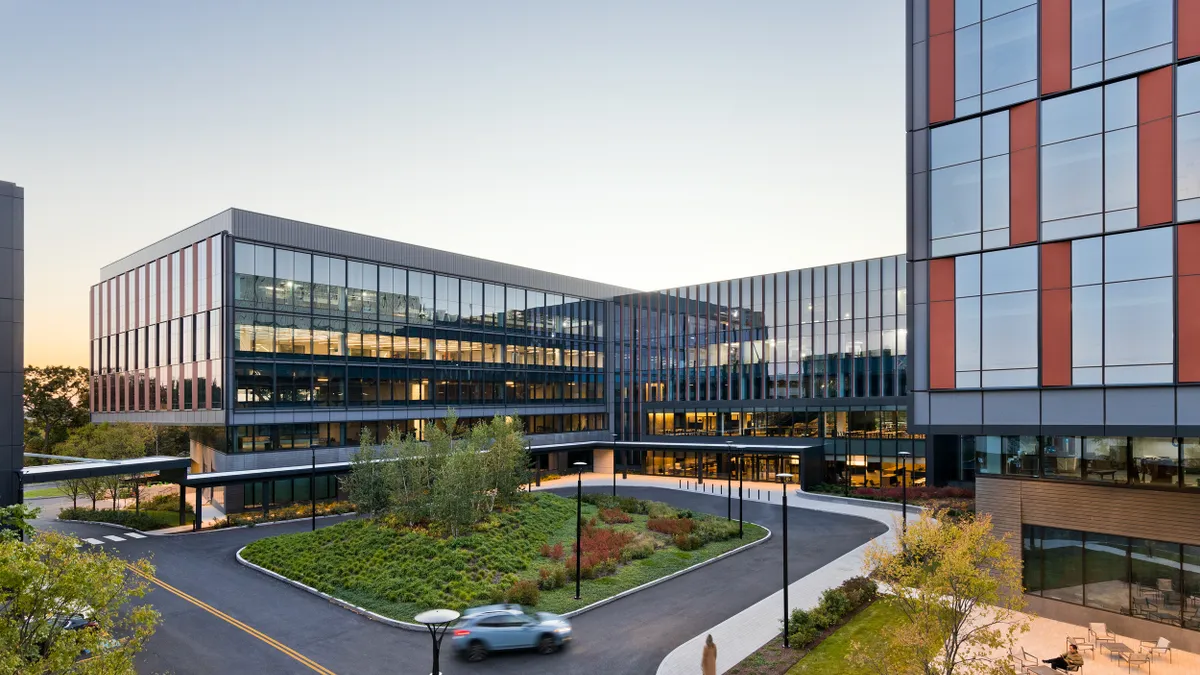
(1046, 639)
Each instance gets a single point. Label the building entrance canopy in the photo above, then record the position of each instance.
(170, 469)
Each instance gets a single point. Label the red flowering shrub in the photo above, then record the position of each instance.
(671, 526)
(553, 552)
(915, 493)
(612, 516)
(602, 548)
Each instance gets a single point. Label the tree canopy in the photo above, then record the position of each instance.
(56, 401)
(48, 579)
(959, 588)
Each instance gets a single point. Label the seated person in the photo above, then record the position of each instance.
(1068, 660)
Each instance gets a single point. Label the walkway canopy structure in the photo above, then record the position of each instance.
(169, 469)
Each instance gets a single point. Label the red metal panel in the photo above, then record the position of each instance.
(1023, 174)
(1056, 265)
(941, 77)
(1056, 337)
(941, 345)
(1154, 95)
(941, 279)
(1188, 297)
(941, 16)
(1188, 249)
(1156, 179)
(1189, 28)
(1056, 45)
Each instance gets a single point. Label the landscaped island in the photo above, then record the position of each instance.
(523, 553)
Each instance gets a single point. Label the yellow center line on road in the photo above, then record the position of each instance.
(234, 622)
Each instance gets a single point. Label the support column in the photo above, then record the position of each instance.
(266, 498)
(182, 504)
(199, 508)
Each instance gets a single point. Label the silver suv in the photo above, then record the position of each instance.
(495, 628)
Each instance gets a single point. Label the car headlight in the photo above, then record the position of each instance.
(565, 629)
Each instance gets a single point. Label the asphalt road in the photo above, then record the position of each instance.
(284, 630)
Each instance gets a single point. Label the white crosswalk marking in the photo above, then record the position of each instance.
(135, 535)
(94, 542)
(113, 537)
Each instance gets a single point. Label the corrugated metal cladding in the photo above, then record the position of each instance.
(292, 233)
(186, 237)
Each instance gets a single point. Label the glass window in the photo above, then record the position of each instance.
(995, 134)
(1156, 461)
(1062, 457)
(1138, 255)
(1087, 326)
(1187, 89)
(1133, 25)
(1105, 460)
(1072, 178)
(1106, 572)
(1191, 463)
(1139, 322)
(995, 198)
(966, 337)
(1062, 572)
(1187, 149)
(1072, 116)
(966, 12)
(1010, 331)
(1120, 169)
(967, 70)
(1031, 559)
(1010, 270)
(966, 276)
(1087, 257)
(954, 143)
(1191, 586)
(956, 193)
(1087, 34)
(1010, 49)
(1157, 580)
(1120, 105)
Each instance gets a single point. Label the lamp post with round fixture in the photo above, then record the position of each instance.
(312, 487)
(579, 466)
(741, 465)
(437, 620)
(783, 480)
(904, 455)
(614, 451)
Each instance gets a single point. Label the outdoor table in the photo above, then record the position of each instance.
(1041, 670)
(1116, 648)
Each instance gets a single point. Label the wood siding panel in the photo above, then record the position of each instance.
(1002, 500)
(1149, 514)
(1056, 46)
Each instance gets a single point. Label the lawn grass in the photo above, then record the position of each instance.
(830, 657)
(399, 572)
(44, 492)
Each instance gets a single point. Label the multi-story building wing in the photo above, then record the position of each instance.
(811, 356)
(12, 359)
(1054, 174)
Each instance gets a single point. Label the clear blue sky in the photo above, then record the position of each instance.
(644, 143)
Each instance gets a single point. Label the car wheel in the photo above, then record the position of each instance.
(476, 652)
(546, 645)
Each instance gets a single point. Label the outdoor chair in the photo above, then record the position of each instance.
(1082, 644)
(1022, 658)
(1098, 632)
(1162, 646)
(1136, 659)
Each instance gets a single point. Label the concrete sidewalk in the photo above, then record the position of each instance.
(742, 634)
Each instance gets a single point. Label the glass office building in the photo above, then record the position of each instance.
(1054, 178)
(815, 355)
(273, 339)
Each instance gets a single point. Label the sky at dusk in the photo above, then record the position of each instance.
(645, 143)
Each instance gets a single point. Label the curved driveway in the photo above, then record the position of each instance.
(630, 636)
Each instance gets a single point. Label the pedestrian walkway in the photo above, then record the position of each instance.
(742, 634)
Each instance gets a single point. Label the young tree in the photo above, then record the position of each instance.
(959, 588)
(505, 459)
(47, 578)
(71, 487)
(371, 483)
(94, 488)
(56, 400)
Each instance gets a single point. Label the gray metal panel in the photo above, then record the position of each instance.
(185, 237)
(919, 20)
(920, 217)
(12, 350)
(283, 232)
(920, 287)
(920, 409)
(1140, 406)
(1011, 407)
(1063, 407)
(919, 141)
(955, 408)
(1188, 405)
(918, 334)
(919, 81)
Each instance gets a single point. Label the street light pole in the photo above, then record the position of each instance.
(783, 479)
(741, 469)
(904, 455)
(578, 523)
(729, 481)
(312, 488)
(437, 621)
(614, 436)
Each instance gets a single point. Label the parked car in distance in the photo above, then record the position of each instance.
(494, 628)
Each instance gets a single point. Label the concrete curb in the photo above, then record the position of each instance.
(96, 522)
(404, 625)
(868, 503)
(160, 533)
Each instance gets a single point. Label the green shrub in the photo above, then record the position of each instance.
(671, 526)
(642, 546)
(715, 529)
(550, 578)
(686, 513)
(523, 593)
(659, 510)
(835, 604)
(138, 521)
(164, 502)
(860, 590)
(687, 542)
(634, 505)
(803, 628)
